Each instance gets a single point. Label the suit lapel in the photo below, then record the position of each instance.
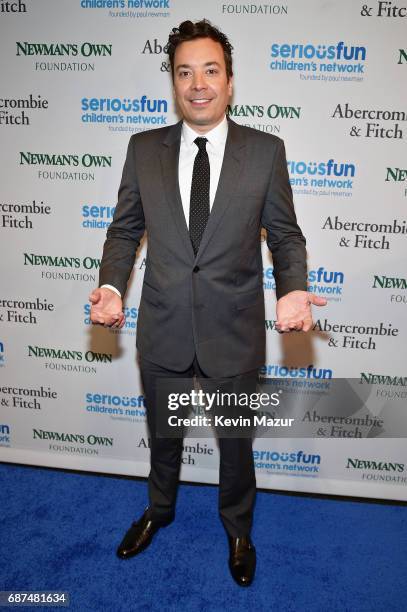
(228, 181)
(169, 157)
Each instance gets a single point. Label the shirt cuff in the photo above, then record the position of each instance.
(112, 289)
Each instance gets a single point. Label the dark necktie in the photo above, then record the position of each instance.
(199, 203)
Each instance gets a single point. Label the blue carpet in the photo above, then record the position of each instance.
(60, 531)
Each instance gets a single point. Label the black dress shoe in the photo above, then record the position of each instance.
(139, 536)
(242, 560)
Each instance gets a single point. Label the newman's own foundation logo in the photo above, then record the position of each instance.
(91, 439)
(69, 360)
(68, 354)
(86, 163)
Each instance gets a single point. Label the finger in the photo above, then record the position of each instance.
(117, 319)
(112, 321)
(287, 326)
(109, 321)
(95, 296)
(317, 300)
(307, 324)
(97, 320)
(294, 326)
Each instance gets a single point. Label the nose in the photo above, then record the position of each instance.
(198, 82)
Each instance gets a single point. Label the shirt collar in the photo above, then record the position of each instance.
(216, 137)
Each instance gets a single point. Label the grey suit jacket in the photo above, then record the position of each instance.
(211, 305)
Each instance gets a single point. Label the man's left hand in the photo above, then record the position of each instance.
(294, 311)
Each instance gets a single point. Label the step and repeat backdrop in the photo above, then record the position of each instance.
(79, 77)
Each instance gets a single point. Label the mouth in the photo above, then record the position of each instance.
(200, 102)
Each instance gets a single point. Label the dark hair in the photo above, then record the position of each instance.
(200, 29)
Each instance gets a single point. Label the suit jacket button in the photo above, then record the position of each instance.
(196, 269)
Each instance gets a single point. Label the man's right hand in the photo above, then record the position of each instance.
(107, 308)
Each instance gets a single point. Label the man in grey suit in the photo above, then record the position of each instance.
(202, 189)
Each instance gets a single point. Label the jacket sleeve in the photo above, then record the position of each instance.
(284, 237)
(126, 230)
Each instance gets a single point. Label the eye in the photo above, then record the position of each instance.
(212, 71)
(183, 74)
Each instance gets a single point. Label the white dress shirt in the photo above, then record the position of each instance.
(215, 148)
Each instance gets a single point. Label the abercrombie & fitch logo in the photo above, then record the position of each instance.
(13, 7)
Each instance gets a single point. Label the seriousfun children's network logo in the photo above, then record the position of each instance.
(2, 356)
(329, 284)
(5, 439)
(118, 407)
(322, 178)
(133, 9)
(336, 62)
(294, 463)
(130, 313)
(96, 216)
(125, 114)
(296, 378)
(320, 281)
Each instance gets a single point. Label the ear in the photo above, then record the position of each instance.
(230, 86)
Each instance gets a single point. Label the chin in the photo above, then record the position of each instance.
(202, 121)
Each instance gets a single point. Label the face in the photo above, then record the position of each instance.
(201, 88)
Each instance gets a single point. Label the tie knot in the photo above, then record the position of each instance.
(201, 143)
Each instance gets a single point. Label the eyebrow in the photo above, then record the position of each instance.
(214, 63)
